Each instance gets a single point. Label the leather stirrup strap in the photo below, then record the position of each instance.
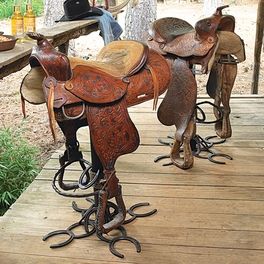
(155, 86)
(50, 106)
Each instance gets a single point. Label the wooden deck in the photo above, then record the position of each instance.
(210, 214)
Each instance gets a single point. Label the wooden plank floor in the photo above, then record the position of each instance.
(210, 214)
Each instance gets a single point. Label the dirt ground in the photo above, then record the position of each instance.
(36, 126)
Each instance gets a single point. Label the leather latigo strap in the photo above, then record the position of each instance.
(56, 96)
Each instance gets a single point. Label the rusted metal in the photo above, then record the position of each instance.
(89, 220)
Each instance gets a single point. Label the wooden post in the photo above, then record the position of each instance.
(258, 45)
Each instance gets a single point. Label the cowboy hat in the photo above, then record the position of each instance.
(78, 9)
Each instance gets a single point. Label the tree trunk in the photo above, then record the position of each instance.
(53, 11)
(139, 15)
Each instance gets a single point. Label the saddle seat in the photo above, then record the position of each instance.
(119, 58)
(167, 29)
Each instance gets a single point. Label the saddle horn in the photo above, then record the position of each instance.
(219, 9)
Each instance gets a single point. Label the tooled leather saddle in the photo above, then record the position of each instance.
(183, 45)
(97, 93)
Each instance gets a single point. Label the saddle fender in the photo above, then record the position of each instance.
(109, 144)
(179, 102)
(177, 108)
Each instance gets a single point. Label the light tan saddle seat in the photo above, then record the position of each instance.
(119, 58)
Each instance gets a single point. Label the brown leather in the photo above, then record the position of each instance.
(61, 95)
(110, 143)
(219, 87)
(187, 45)
(53, 62)
(94, 85)
(141, 85)
(212, 39)
(206, 28)
(178, 104)
(125, 56)
(231, 44)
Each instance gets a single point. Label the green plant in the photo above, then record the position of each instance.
(6, 7)
(18, 166)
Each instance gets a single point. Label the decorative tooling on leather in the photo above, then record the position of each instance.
(179, 102)
(95, 86)
(121, 139)
(140, 88)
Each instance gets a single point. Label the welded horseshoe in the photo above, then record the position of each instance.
(204, 157)
(114, 206)
(200, 119)
(161, 157)
(87, 221)
(212, 155)
(78, 209)
(115, 240)
(220, 141)
(71, 227)
(120, 228)
(203, 119)
(166, 143)
(60, 232)
(88, 183)
(133, 207)
(135, 215)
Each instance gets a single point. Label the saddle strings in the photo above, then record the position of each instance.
(51, 111)
(155, 86)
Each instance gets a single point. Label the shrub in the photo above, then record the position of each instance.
(18, 166)
(6, 7)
